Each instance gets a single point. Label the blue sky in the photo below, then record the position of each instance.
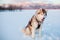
(40, 1)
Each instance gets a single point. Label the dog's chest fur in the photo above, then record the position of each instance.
(36, 21)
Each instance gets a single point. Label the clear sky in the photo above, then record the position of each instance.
(40, 1)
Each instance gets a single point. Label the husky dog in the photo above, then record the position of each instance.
(35, 22)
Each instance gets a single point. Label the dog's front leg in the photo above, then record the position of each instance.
(33, 33)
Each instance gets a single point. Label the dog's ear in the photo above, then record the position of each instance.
(44, 10)
(37, 11)
(40, 10)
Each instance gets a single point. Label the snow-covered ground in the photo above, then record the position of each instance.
(12, 22)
